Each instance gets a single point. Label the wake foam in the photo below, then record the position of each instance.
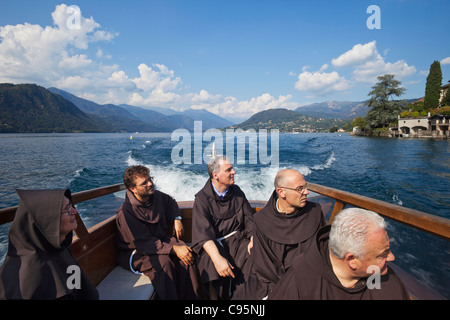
(327, 163)
(182, 183)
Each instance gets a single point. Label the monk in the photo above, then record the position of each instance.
(284, 228)
(145, 240)
(38, 264)
(348, 260)
(222, 225)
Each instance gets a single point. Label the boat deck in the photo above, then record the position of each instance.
(95, 249)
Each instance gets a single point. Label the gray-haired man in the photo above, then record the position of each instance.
(222, 226)
(341, 262)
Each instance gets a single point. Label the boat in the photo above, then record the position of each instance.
(95, 248)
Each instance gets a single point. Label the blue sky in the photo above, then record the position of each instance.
(233, 58)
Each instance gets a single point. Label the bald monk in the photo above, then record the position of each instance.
(283, 229)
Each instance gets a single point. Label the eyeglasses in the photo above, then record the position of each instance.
(146, 182)
(299, 189)
(68, 211)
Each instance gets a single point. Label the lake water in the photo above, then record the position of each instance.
(414, 173)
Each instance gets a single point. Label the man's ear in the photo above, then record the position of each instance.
(281, 193)
(351, 260)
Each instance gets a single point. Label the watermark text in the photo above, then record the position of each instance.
(374, 21)
(257, 147)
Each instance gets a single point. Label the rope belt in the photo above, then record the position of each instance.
(226, 237)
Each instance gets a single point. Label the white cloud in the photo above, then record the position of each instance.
(368, 64)
(369, 71)
(157, 78)
(361, 65)
(119, 77)
(50, 55)
(321, 82)
(445, 61)
(231, 106)
(360, 53)
(324, 67)
(73, 62)
(205, 97)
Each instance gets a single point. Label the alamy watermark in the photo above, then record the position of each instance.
(374, 280)
(374, 21)
(73, 22)
(190, 147)
(74, 280)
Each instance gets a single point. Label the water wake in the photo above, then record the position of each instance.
(183, 182)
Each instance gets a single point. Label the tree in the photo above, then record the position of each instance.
(433, 86)
(359, 122)
(384, 110)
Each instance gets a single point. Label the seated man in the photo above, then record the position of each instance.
(222, 224)
(340, 263)
(283, 229)
(36, 264)
(145, 240)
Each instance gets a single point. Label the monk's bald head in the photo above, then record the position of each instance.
(285, 177)
(292, 190)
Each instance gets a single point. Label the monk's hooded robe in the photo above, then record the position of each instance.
(37, 265)
(228, 222)
(312, 278)
(146, 235)
(279, 238)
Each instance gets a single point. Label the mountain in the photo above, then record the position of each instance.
(132, 118)
(31, 108)
(270, 116)
(210, 120)
(288, 121)
(167, 122)
(335, 109)
(175, 120)
(117, 118)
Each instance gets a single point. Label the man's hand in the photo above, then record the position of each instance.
(179, 229)
(250, 245)
(223, 267)
(184, 253)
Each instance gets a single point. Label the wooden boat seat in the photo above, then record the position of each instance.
(122, 284)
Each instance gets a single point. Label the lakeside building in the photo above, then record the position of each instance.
(430, 126)
(436, 126)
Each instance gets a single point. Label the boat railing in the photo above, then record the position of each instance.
(95, 248)
(7, 214)
(432, 224)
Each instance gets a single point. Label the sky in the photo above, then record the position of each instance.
(232, 58)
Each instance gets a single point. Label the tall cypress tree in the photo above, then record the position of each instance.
(433, 86)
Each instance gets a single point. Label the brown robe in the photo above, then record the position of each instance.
(213, 218)
(36, 264)
(279, 238)
(312, 278)
(148, 229)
